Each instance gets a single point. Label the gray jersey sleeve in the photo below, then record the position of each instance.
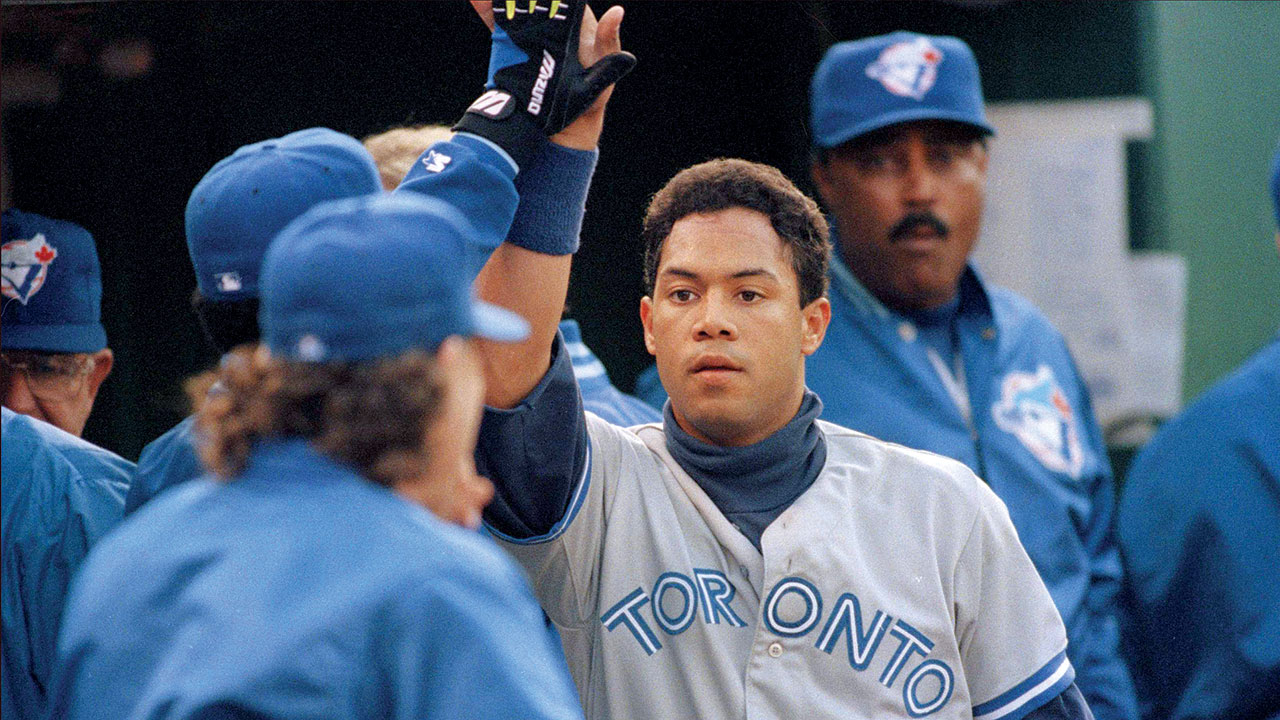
(565, 564)
(1002, 604)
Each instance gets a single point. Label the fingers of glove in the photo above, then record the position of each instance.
(586, 87)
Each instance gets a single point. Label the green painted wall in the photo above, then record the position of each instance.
(1211, 72)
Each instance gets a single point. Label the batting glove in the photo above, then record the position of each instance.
(537, 86)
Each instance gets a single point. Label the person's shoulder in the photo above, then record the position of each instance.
(65, 464)
(1014, 312)
(902, 471)
(1241, 405)
(441, 562)
(602, 430)
(94, 464)
(1255, 382)
(177, 439)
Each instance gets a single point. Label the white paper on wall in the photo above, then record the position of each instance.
(1056, 231)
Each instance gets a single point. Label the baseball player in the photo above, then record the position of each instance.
(307, 579)
(233, 213)
(922, 351)
(1198, 524)
(743, 558)
(61, 495)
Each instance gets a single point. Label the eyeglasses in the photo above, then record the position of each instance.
(55, 377)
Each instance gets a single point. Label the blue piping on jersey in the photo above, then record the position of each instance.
(1045, 684)
(575, 504)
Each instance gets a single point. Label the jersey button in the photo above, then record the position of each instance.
(775, 649)
(907, 332)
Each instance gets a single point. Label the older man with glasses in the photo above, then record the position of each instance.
(60, 493)
(55, 354)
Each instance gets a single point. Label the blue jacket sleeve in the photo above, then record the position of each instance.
(1100, 668)
(535, 454)
(473, 176)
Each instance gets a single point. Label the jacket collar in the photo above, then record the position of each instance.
(974, 299)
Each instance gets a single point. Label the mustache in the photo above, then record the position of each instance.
(911, 221)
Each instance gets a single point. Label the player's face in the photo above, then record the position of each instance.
(726, 327)
(453, 490)
(59, 389)
(908, 207)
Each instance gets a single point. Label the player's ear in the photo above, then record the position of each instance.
(103, 361)
(646, 319)
(816, 316)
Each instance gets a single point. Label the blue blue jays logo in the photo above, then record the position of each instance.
(1034, 409)
(24, 266)
(908, 69)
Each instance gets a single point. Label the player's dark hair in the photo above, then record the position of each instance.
(227, 324)
(730, 183)
(372, 415)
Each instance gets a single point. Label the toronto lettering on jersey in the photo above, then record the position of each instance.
(926, 686)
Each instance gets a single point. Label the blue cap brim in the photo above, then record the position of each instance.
(55, 338)
(499, 324)
(879, 122)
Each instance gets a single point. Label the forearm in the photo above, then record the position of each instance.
(533, 285)
(529, 273)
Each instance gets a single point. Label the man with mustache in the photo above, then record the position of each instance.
(921, 351)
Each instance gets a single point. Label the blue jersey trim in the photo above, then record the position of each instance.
(1042, 686)
(575, 504)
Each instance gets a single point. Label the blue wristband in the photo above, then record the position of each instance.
(553, 199)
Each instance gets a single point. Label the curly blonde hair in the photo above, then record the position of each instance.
(373, 415)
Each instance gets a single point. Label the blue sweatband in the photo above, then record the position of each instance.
(553, 199)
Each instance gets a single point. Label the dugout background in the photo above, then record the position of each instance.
(120, 155)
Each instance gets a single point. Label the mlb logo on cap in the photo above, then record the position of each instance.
(51, 286)
(869, 84)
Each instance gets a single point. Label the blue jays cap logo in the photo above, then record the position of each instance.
(24, 265)
(1034, 409)
(908, 69)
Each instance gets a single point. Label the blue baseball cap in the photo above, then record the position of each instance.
(52, 286)
(864, 85)
(371, 277)
(248, 197)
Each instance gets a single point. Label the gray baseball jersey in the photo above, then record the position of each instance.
(895, 586)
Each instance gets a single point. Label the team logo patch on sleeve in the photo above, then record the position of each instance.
(908, 69)
(25, 266)
(1034, 409)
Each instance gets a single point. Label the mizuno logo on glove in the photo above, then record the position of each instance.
(540, 85)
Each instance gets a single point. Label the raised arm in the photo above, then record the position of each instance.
(530, 273)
